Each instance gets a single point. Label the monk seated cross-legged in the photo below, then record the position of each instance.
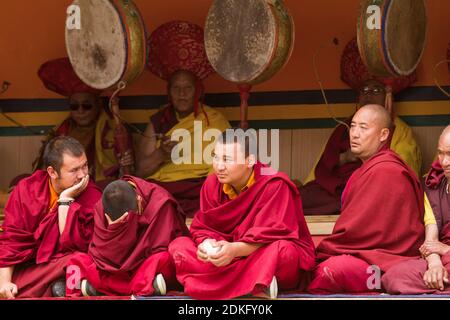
(250, 236)
(134, 224)
(429, 274)
(377, 227)
(322, 191)
(49, 215)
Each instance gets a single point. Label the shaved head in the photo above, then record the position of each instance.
(381, 115)
(369, 130)
(445, 133)
(118, 198)
(444, 151)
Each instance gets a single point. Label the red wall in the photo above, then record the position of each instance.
(32, 32)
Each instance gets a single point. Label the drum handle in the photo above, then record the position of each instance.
(121, 86)
(244, 92)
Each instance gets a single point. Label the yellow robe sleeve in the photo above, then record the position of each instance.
(170, 172)
(104, 157)
(405, 145)
(429, 215)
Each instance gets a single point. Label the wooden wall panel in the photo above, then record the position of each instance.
(298, 148)
(17, 155)
(427, 138)
(306, 147)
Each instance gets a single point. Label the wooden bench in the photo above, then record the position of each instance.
(317, 225)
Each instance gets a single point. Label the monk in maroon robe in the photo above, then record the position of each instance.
(381, 222)
(323, 188)
(134, 224)
(429, 274)
(250, 235)
(48, 216)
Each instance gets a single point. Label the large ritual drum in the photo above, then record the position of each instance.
(110, 45)
(391, 35)
(248, 41)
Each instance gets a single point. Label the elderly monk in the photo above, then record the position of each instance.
(134, 224)
(168, 44)
(382, 216)
(250, 235)
(430, 273)
(91, 124)
(48, 216)
(322, 191)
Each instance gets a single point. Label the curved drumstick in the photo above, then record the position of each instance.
(436, 79)
(316, 73)
(4, 88)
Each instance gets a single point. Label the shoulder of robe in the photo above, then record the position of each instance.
(276, 184)
(392, 168)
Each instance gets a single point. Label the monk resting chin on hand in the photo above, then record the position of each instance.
(49, 216)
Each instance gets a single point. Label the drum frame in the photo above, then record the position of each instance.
(135, 43)
(374, 53)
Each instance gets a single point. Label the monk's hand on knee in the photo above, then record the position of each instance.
(8, 290)
(435, 277)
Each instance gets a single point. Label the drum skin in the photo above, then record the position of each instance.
(396, 48)
(248, 41)
(111, 46)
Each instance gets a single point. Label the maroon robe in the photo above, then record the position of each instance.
(436, 190)
(31, 240)
(407, 277)
(124, 258)
(186, 192)
(323, 195)
(268, 213)
(381, 223)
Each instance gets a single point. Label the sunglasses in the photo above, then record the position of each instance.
(372, 90)
(84, 106)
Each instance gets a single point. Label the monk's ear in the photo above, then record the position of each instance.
(251, 160)
(384, 135)
(52, 173)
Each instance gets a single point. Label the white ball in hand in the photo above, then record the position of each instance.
(210, 250)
